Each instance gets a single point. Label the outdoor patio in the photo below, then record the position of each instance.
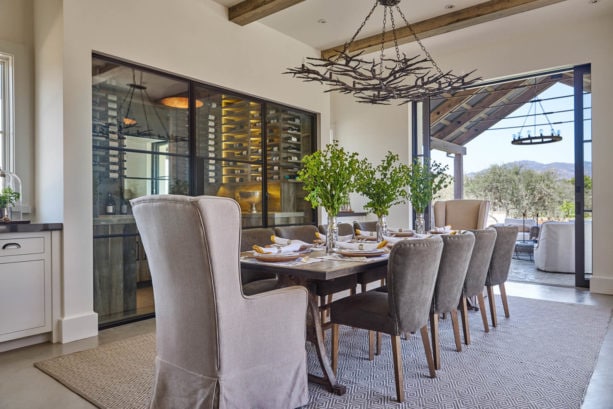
(524, 270)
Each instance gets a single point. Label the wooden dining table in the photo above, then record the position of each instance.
(307, 272)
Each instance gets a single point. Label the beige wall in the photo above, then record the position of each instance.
(528, 42)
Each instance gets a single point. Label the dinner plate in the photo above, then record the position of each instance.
(407, 233)
(367, 238)
(276, 257)
(361, 253)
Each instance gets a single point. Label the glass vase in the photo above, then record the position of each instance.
(420, 223)
(331, 234)
(381, 228)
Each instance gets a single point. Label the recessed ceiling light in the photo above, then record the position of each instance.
(450, 6)
(322, 21)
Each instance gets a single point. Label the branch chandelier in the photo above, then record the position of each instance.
(379, 81)
(534, 139)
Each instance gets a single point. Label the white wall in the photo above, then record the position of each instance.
(192, 38)
(372, 131)
(16, 22)
(527, 42)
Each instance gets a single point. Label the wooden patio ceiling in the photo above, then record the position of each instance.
(459, 119)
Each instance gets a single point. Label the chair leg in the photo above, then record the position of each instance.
(334, 343)
(363, 287)
(322, 308)
(435, 341)
(379, 340)
(486, 326)
(505, 303)
(490, 295)
(464, 316)
(456, 330)
(371, 345)
(398, 376)
(428, 351)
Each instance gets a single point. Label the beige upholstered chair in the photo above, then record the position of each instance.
(555, 250)
(203, 319)
(475, 277)
(499, 267)
(256, 281)
(412, 270)
(457, 250)
(462, 214)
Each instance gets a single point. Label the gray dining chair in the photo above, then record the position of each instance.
(457, 250)
(371, 276)
(217, 347)
(500, 264)
(411, 276)
(475, 277)
(344, 229)
(256, 281)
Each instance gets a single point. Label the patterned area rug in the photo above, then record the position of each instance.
(541, 357)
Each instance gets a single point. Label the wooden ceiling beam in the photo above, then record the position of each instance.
(248, 11)
(466, 17)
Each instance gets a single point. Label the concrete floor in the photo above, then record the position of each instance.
(24, 387)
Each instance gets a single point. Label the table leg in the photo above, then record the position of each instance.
(315, 334)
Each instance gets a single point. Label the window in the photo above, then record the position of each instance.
(6, 109)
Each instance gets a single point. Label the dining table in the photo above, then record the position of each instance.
(307, 270)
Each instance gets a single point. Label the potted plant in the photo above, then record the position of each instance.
(8, 197)
(329, 176)
(425, 181)
(385, 186)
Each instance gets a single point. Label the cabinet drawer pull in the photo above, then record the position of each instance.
(11, 246)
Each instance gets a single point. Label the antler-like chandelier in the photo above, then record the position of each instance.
(379, 81)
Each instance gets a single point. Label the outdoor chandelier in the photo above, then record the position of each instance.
(377, 81)
(532, 138)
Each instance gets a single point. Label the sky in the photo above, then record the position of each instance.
(494, 146)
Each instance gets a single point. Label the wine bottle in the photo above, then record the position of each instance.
(109, 205)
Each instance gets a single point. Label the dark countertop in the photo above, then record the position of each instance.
(21, 227)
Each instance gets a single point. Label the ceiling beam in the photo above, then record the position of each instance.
(248, 11)
(466, 17)
(447, 147)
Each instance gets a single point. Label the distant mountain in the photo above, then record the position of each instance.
(564, 170)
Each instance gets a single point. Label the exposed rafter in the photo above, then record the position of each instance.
(248, 11)
(469, 16)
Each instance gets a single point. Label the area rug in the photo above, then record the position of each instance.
(541, 357)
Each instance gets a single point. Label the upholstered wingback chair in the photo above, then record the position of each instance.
(203, 319)
(464, 214)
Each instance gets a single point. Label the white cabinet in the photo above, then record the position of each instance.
(25, 284)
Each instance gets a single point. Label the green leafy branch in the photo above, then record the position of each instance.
(8, 197)
(425, 181)
(384, 185)
(328, 177)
